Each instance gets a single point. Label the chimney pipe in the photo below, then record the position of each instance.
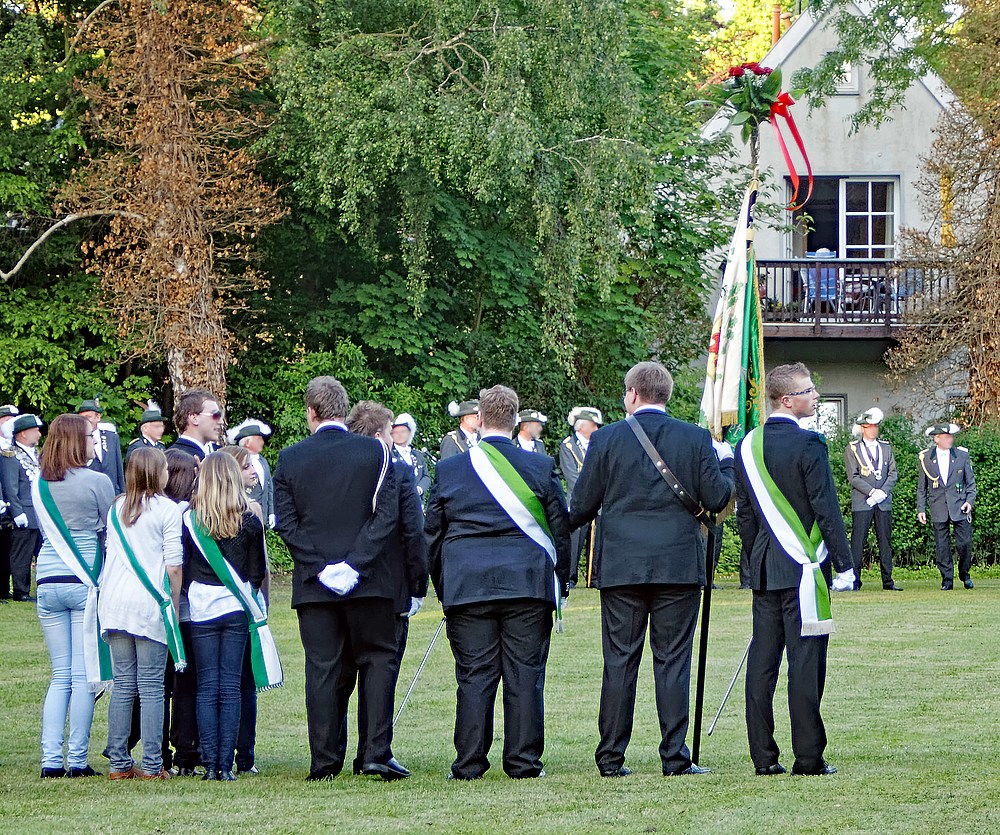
(775, 23)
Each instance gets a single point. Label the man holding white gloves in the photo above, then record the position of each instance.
(871, 470)
(336, 499)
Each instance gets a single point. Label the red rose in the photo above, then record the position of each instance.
(736, 72)
(764, 71)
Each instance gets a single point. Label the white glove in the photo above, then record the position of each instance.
(270, 521)
(562, 603)
(339, 578)
(415, 604)
(844, 581)
(21, 520)
(876, 497)
(722, 450)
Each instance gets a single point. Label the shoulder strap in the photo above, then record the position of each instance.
(667, 474)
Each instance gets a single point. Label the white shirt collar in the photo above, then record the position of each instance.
(783, 416)
(494, 433)
(473, 436)
(331, 424)
(649, 408)
(196, 442)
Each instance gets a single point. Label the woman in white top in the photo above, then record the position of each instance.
(144, 536)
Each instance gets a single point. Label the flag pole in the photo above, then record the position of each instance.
(706, 612)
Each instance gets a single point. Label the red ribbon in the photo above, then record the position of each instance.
(779, 110)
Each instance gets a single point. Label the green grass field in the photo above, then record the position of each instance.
(911, 710)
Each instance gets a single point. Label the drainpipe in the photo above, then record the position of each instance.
(775, 23)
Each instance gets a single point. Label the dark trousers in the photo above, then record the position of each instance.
(219, 645)
(334, 636)
(5, 543)
(247, 738)
(184, 713)
(777, 626)
(861, 523)
(942, 549)
(24, 545)
(500, 640)
(671, 613)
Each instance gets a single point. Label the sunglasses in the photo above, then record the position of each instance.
(809, 390)
(216, 415)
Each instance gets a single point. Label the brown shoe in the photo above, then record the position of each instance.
(160, 775)
(131, 774)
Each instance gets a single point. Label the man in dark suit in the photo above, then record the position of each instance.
(585, 421)
(151, 429)
(19, 468)
(651, 560)
(252, 434)
(466, 435)
(336, 499)
(797, 461)
(530, 424)
(107, 445)
(946, 485)
(404, 430)
(198, 421)
(407, 552)
(499, 574)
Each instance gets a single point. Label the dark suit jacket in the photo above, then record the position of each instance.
(140, 443)
(110, 462)
(798, 462)
(420, 474)
(323, 491)
(646, 535)
(571, 458)
(454, 443)
(407, 547)
(263, 491)
(17, 488)
(861, 485)
(184, 445)
(945, 501)
(477, 553)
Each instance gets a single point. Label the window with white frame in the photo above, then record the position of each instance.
(847, 80)
(830, 415)
(868, 218)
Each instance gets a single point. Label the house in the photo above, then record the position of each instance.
(835, 292)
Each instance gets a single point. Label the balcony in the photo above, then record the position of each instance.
(840, 299)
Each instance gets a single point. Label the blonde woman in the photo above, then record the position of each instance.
(223, 556)
(139, 600)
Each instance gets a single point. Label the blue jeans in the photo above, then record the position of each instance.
(219, 646)
(138, 665)
(60, 612)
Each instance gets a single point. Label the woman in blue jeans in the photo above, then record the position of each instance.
(219, 627)
(79, 498)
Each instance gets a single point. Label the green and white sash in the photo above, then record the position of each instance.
(520, 503)
(171, 624)
(808, 550)
(264, 659)
(96, 653)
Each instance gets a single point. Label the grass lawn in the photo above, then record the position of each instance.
(911, 710)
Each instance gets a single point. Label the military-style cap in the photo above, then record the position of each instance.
(8, 411)
(248, 429)
(943, 429)
(152, 413)
(90, 406)
(27, 422)
(873, 417)
(405, 419)
(531, 416)
(585, 413)
(466, 407)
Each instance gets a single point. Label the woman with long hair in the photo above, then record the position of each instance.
(140, 594)
(72, 503)
(224, 566)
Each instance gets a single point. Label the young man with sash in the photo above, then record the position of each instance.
(499, 555)
(792, 529)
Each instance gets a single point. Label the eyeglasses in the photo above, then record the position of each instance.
(626, 391)
(809, 390)
(216, 415)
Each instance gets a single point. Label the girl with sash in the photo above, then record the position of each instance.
(224, 567)
(71, 502)
(140, 593)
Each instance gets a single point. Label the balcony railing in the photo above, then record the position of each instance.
(807, 297)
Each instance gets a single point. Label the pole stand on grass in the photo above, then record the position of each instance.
(420, 669)
(706, 610)
(732, 684)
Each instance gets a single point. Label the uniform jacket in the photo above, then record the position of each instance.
(537, 446)
(406, 546)
(646, 535)
(263, 491)
(454, 443)
(857, 463)
(571, 457)
(140, 442)
(17, 485)
(421, 476)
(798, 461)
(477, 553)
(109, 461)
(324, 488)
(945, 501)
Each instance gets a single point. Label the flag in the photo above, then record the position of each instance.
(733, 401)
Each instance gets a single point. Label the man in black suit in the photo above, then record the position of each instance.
(785, 618)
(650, 560)
(407, 557)
(336, 499)
(499, 574)
(19, 469)
(198, 420)
(107, 445)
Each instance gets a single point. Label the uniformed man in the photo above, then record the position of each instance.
(107, 445)
(530, 423)
(151, 429)
(19, 467)
(467, 435)
(251, 435)
(7, 415)
(585, 420)
(946, 486)
(404, 430)
(871, 470)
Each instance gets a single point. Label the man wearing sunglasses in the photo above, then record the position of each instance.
(198, 419)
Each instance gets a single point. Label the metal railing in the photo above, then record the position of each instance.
(846, 295)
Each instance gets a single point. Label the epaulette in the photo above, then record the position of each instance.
(567, 442)
(963, 448)
(7, 453)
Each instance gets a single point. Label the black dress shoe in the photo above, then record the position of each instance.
(453, 776)
(771, 770)
(210, 774)
(947, 586)
(51, 773)
(691, 769)
(320, 776)
(824, 768)
(25, 598)
(857, 585)
(621, 771)
(892, 587)
(391, 770)
(226, 777)
(83, 772)
(969, 584)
